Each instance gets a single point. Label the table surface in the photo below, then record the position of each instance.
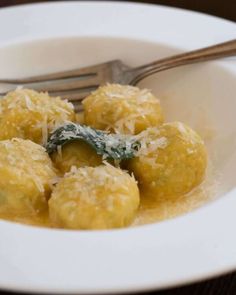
(224, 285)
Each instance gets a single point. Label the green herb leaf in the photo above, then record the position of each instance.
(110, 146)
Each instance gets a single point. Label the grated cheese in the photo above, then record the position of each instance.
(100, 197)
(123, 109)
(25, 167)
(32, 115)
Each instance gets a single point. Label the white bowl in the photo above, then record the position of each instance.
(49, 37)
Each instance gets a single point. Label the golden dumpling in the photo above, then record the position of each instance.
(26, 175)
(122, 109)
(32, 115)
(76, 153)
(172, 160)
(103, 197)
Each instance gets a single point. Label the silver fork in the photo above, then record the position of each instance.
(76, 84)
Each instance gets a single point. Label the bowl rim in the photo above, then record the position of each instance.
(216, 264)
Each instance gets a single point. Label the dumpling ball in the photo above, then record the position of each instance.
(26, 175)
(75, 153)
(32, 115)
(172, 160)
(103, 197)
(122, 109)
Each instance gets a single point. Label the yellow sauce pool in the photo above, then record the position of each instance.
(150, 210)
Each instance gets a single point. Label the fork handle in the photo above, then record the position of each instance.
(209, 53)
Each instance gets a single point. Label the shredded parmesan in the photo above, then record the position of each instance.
(32, 115)
(123, 109)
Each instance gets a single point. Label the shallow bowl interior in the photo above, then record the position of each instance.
(202, 95)
(58, 36)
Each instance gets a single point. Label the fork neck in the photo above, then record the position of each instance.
(225, 49)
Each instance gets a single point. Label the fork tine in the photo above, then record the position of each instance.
(82, 72)
(51, 77)
(76, 95)
(56, 85)
(78, 107)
